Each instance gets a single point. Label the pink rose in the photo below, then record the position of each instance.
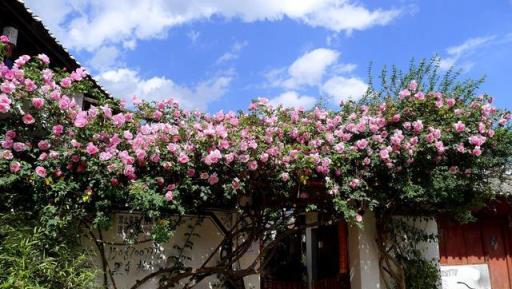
(169, 195)
(114, 182)
(359, 218)
(204, 176)
(235, 184)
(66, 82)
(384, 154)
(450, 102)
(155, 157)
(413, 85)
(15, 167)
(64, 102)
(183, 158)
(129, 171)
(477, 151)
(127, 135)
(10, 134)
(355, 183)
(459, 126)
(43, 157)
(140, 154)
(38, 102)
(6, 155)
(28, 119)
(5, 99)
(404, 93)
(43, 145)
(362, 144)
(40, 171)
(453, 169)
(18, 146)
(417, 126)
(440, 147)
(340, 147)
(213, 179)
(460, 148)
(253, 165)
(44, 58)
(191, 172)
(91, 149)
(7, 87)
(213, 157)
(119, 119)
(4, 108)
(58, 129)
(81, 119)
(105, 156)
(396, 118)
(477, 140)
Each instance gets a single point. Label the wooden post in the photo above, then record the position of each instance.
(343, 247)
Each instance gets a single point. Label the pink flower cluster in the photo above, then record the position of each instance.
(177, 146)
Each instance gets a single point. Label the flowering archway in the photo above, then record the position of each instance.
(428, 147)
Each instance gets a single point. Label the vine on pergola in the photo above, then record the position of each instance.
(430, 146)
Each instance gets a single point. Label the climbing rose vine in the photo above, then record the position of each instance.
(160, 157)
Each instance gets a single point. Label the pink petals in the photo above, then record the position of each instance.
(28, 119)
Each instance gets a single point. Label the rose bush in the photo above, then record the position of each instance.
(420, 151)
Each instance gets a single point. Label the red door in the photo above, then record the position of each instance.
(486, 241)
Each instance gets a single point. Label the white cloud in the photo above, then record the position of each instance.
(293, 99)
(311, 71)
(90, 24)
(344, 68)
(104, 58)
(310, 68)
(462, 51)
(340, 88)
(233, 53)
(130, 44)
(349, 17)
(126, 83)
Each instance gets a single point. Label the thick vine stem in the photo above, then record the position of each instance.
(390, 267)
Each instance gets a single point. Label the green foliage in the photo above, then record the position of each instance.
(28, 260)
(421, 274)
(408, 242)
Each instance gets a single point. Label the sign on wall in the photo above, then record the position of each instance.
(465, 277)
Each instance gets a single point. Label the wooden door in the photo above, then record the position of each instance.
(484, 242)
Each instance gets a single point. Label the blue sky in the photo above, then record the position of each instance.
(215, 55)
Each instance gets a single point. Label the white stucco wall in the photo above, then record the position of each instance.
(364, 256)
(430, 250)
(130, 263)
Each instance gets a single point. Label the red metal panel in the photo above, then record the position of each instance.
(455, 245)
(494, 246)
(507, 232)
(442, 228)
(343, 247)
(473, 240)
